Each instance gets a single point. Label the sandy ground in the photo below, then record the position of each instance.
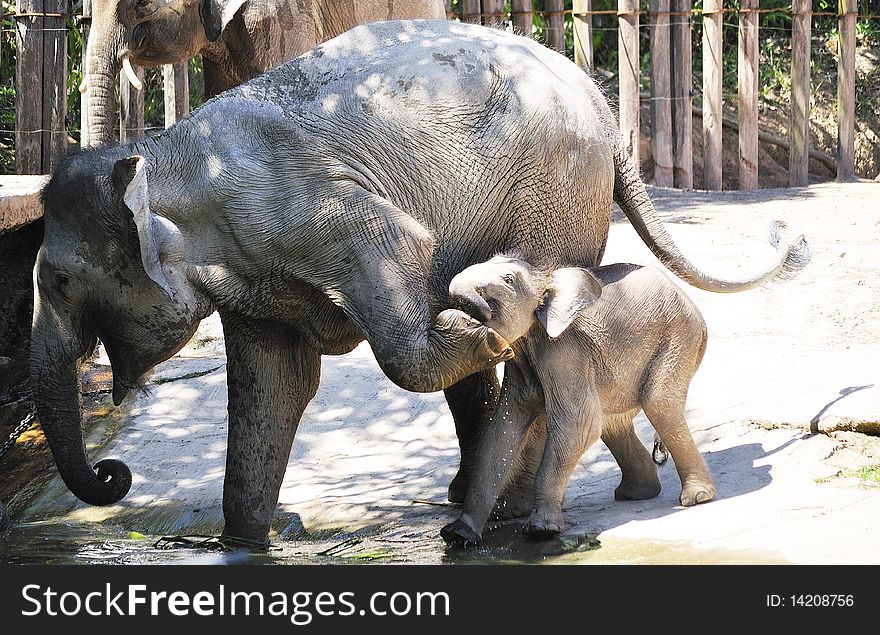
(778, 358)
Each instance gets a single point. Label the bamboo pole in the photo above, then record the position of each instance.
(712, 94)
(661, 94)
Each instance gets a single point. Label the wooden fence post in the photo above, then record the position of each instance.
(41, 85)
(747, 95)
(131, 108)
(628, 69)
(493, 12)
(582, 32)
(54, 83)
(176, 80)
(712, 95)
(28, 87)
(799, 118)
(555, 24)
(682, 100)
(846, 89)
(471, 11)
(661, 94)
(85, 27)
(521, 15)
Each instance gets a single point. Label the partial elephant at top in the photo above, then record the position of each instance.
(238, 39)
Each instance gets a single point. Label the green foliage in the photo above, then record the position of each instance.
(75, 48)
(867, 475)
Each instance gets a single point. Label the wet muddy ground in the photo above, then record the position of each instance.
(789, 373)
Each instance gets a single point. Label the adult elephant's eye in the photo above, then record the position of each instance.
(62, 280)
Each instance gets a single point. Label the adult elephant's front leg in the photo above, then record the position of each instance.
(471, 402)
(272, 376)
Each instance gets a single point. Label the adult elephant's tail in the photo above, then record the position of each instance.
(632, 196)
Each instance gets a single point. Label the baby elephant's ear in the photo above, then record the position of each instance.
(571, 291)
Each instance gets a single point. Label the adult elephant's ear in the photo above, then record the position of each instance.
(216, 14)
(571, 290)
(130, 174)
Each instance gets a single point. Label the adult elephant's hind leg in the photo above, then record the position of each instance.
(272, 376)
(472, 402)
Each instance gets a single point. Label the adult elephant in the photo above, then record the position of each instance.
(238, 39)
(329, 200)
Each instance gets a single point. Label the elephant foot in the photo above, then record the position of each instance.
(642, 490)
(696, 492)
(458, 488)
(544, 526)
(459, 534)
(4, 518)
(513, 505)
(247, 536)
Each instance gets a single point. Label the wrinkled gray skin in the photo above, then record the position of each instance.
(593, 348)
(330, 200)
(238, 39)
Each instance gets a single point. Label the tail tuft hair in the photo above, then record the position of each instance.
(797, 253)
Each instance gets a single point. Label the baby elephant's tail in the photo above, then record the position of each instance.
(660, 454)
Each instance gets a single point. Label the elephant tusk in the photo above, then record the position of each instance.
(83, 86)
(130, 74)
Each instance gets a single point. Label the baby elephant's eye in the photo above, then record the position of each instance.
(509, 278)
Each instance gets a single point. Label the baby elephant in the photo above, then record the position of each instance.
(593, 347)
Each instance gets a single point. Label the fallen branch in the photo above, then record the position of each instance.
(833, 423)
(421, 502)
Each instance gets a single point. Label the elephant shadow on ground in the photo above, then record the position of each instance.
(398, 449)
(590, 508)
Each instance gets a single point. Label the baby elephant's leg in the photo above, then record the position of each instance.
(499, 446)
(518, 496)
(573, 425)
(639, 473)
(664, 404)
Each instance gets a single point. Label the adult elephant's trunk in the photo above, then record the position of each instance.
(99, 81)
(55, 348)
(632, 196)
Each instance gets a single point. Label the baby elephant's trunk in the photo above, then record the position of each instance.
(464, 296)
